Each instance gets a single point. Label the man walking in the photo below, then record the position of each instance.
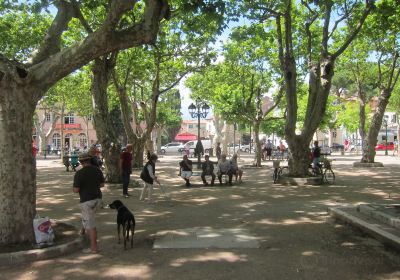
(87, 182)
(126, 168)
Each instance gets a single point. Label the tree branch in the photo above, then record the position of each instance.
(52, 40)
(78, 15)
(100, 42)
(325, 32)
(350, 38)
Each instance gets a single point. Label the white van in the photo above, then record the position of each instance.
(206, 145)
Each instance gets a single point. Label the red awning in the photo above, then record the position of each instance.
(185, 137)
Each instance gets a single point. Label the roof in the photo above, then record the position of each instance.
(185, 137)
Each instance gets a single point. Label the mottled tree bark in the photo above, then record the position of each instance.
(106, 135)
(17, 173)
(22, 85)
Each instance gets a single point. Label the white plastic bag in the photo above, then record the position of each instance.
(44, 233)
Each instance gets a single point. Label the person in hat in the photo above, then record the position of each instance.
(148, 175)
(88, 182)
(126, 168)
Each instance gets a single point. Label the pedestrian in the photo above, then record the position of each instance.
(88, 182)
(218, 151)
(126, 168)
(316, 154)
(207, 169)
(269, 149)
(34, 153)
(95, 160)
(224, 168)
(148, 175)
(186, 167)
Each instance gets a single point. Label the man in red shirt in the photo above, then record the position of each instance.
(126, 168)
(34, 152)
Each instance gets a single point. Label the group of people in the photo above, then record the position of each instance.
(89, 180)
(224, 167)
(267, 149)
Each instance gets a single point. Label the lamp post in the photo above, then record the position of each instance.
(199, 110)
(234, 137)
(385, 122)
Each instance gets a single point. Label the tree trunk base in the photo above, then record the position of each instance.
(367, 164)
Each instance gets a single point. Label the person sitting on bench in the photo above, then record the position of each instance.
(208, 169)
(186, 169)
(235, 168)
(224, 168)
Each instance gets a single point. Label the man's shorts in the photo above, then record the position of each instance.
(186, 174)
(89, 209)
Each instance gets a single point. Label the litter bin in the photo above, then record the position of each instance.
(74, 161)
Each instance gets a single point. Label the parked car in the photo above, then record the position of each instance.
(382, 146)
(172, 147)
(337, 147)
(231, 149)
(246, 148)
(206, 145)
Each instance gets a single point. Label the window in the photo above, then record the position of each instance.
(82, 140)
(47, 117)
(394, 119)
(56, 141)
(89, 118)
(69, 119)
(190, 125)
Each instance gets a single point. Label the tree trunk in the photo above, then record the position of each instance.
(218, 124)
(224, 143)
(102, 121)
(257, 155)
(17, 173)
(159, 133)
(299, 160)
(371, 138)
(138, 150)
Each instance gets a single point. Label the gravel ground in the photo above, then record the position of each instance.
(297, 238)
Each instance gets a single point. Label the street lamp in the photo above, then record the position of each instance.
(385, 122)
(199, 110)
(234, 137)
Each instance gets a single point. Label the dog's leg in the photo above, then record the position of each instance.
(132, 233)
(124, 234)
(119, 238)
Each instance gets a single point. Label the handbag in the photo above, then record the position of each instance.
(44, 233)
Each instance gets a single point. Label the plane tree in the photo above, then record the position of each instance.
(307, 48)
(386, 53)
(29, 70)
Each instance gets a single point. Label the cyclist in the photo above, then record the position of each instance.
(316, 155)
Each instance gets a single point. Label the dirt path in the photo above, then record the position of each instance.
(297, 238)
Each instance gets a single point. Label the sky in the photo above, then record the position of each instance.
(184, 91)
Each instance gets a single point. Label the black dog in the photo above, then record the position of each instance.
(126, 219)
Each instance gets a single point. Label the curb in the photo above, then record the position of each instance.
(379, 215)
(41, 254)
(382, 232)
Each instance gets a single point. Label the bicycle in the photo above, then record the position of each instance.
(323, 170)
(278, 170)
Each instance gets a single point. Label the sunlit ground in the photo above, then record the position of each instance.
(297, 239)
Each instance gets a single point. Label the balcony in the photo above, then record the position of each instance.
(69, 126)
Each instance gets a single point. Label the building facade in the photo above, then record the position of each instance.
(75, 132)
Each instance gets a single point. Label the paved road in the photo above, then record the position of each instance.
(297, 239)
